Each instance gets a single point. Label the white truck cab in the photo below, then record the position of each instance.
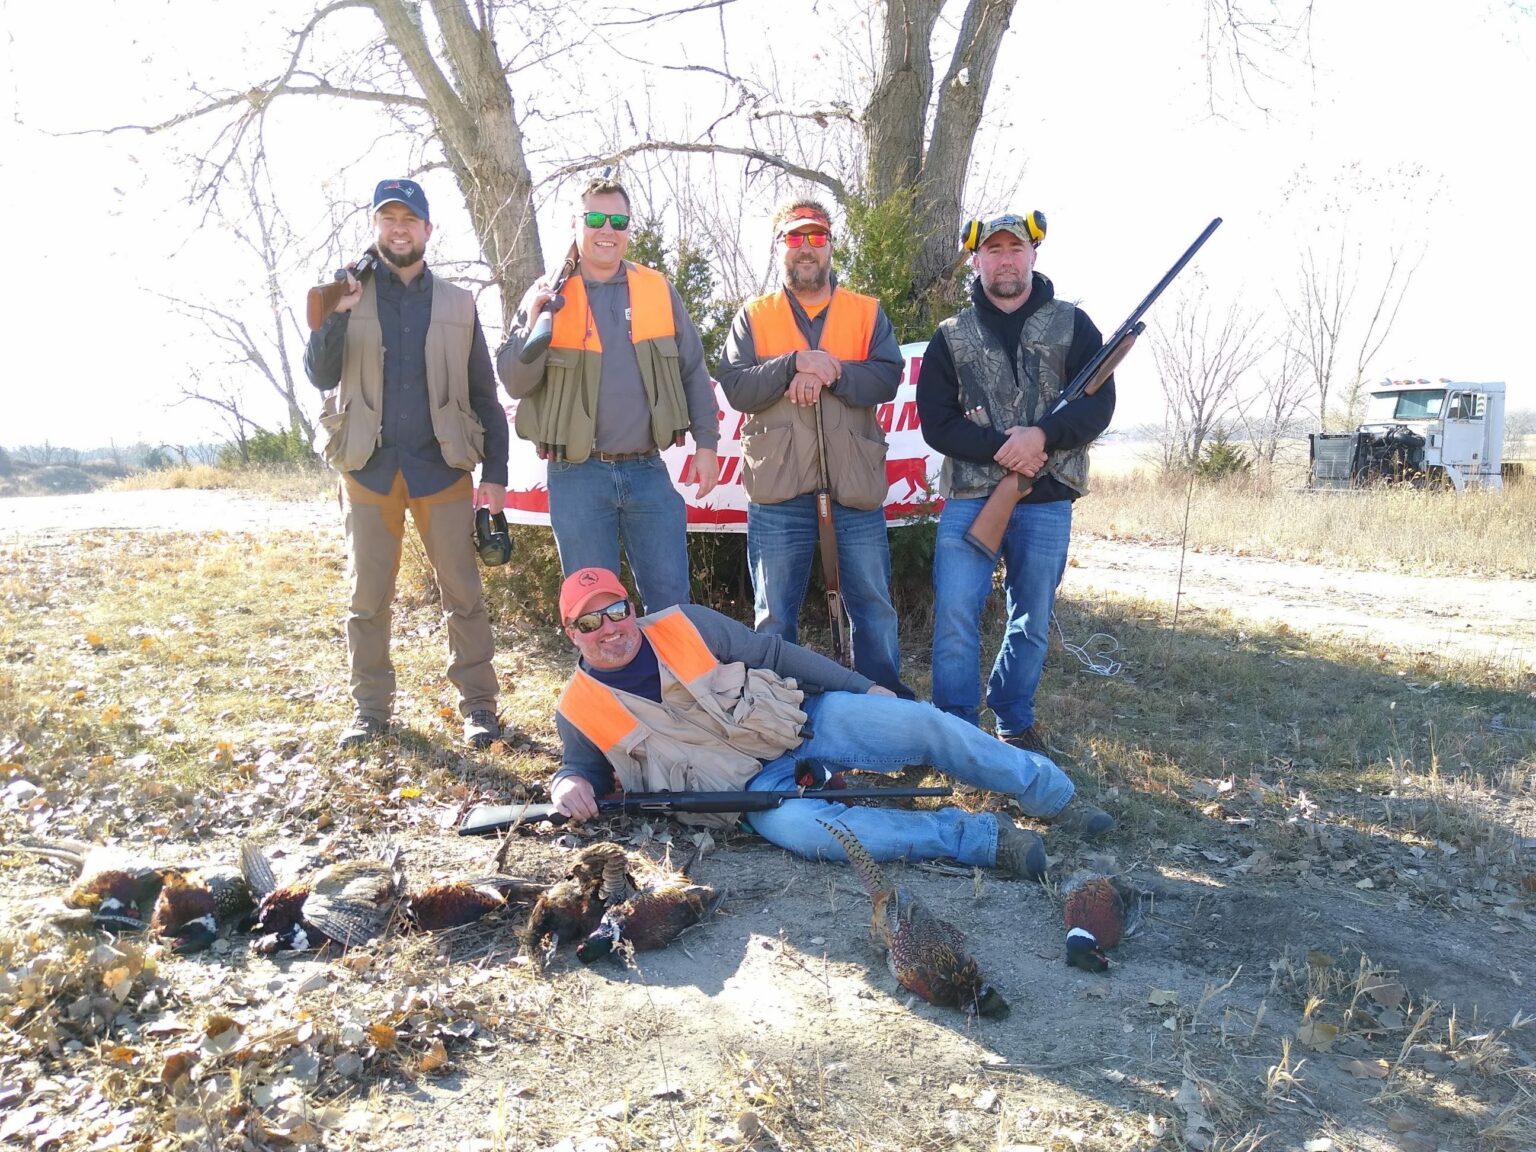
(1438, 432)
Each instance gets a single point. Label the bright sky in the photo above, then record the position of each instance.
(1098, 114)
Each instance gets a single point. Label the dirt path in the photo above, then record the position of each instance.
(1461, 616)
(1447, 615)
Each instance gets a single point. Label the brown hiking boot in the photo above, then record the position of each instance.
(364, 729)
(1083, 820)
(1020, 852)
(1031, 740)
(481, 729)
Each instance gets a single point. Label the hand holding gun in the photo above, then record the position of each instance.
(342, 293)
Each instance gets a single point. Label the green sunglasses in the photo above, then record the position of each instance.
(619, 220)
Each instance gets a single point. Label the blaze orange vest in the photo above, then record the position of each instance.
(846, 332)
(560, 416)
(779, 447)
(593, 707)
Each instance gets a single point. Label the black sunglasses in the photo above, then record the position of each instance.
(619, 220)
(590, 622)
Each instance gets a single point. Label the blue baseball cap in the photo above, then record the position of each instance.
(406, 192)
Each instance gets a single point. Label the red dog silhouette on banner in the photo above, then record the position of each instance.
(911, 467)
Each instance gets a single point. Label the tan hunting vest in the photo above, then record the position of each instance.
(713, 729)
(351, 418)
(778, 445)
(560, 416)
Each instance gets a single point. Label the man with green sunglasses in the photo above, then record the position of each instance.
(623, 378)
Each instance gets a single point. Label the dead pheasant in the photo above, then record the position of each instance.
(926, 954)
(456, 903)
(572, 906)
(121, 892)
(1100, 911)
(192, 906)
(346, 903)
(666, 903)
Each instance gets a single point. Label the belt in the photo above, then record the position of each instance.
(620, 457)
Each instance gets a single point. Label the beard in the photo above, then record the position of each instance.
(402, 259)
(1007, 286)
(806, 276)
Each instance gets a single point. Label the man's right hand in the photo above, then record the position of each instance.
(538, 295)
(573, 798)
(353, 294)
(823, 365)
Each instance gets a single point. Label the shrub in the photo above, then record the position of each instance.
(1220, 459)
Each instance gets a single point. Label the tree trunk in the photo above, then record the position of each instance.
(962, 98)
(937, 164)
(898, 107)
(480, 136)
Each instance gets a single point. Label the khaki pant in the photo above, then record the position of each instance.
(375, 527)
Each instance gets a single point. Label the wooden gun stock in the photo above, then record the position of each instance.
(826, 534)
(322, 299)
(986, 532)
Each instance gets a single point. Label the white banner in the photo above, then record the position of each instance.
(911, 467)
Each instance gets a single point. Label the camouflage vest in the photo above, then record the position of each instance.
(987, 381)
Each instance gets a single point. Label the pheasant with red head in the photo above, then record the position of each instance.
(1100, 911)
(665, 904)
(192, 905)
(573, 906)
(926, 954)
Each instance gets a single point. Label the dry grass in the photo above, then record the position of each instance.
(178, 690)
(1397, 529)
(301, 484)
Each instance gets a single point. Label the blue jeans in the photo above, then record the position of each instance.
(781, 541)
(1034, 558)
(593, 505)
(885, 734)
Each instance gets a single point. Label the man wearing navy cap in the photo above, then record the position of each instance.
(411, 410)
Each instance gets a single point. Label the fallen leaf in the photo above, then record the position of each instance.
(1161, 997)
(1367, 1069)
(1318, 1035)
(433, 1058)
(178, 1064)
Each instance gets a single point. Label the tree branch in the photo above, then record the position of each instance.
(838, 189)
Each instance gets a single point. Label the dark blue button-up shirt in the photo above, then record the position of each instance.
(408, 444)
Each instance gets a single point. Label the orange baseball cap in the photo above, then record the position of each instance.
(582, 586)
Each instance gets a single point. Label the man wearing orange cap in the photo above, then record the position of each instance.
(689, 700)
(814, 360)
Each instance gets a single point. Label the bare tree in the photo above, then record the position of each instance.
(261, 344)
(1201, 358)
(436, 69)
(1274, 412)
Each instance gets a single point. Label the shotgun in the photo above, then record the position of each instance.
(544, 325)
(986, 532)
(323, 298)
(826, 532)
(489, 818)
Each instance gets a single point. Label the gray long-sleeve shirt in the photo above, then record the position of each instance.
(754, 385)
(408, 443)
(623, 413)
(730, 642)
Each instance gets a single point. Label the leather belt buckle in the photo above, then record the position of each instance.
(620, 457)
